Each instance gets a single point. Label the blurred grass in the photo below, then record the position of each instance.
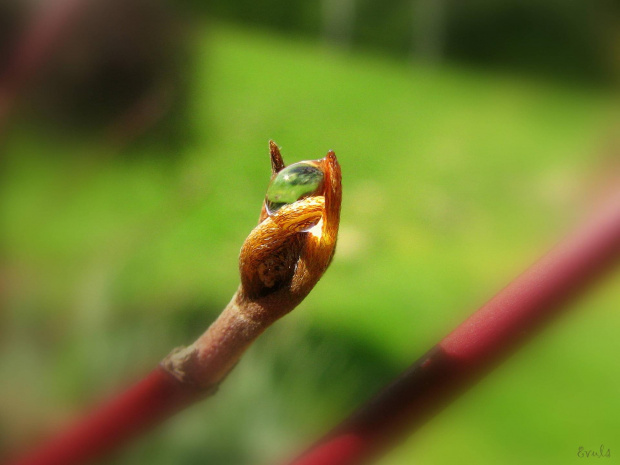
(454, 181)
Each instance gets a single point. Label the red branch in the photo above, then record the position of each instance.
(475, 347)
(156, 397)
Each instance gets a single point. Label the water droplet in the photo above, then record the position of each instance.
(294, 182)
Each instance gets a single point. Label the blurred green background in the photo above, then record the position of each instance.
(135, 160)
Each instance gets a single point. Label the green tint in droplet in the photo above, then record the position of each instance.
(291, 184)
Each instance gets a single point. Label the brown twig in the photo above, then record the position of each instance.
(280, 262)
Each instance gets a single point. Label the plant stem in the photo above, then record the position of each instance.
(279, 265)
(476, 346)
(184, 377)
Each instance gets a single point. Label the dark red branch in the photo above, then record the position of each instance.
(474, 347)
(156, 397)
